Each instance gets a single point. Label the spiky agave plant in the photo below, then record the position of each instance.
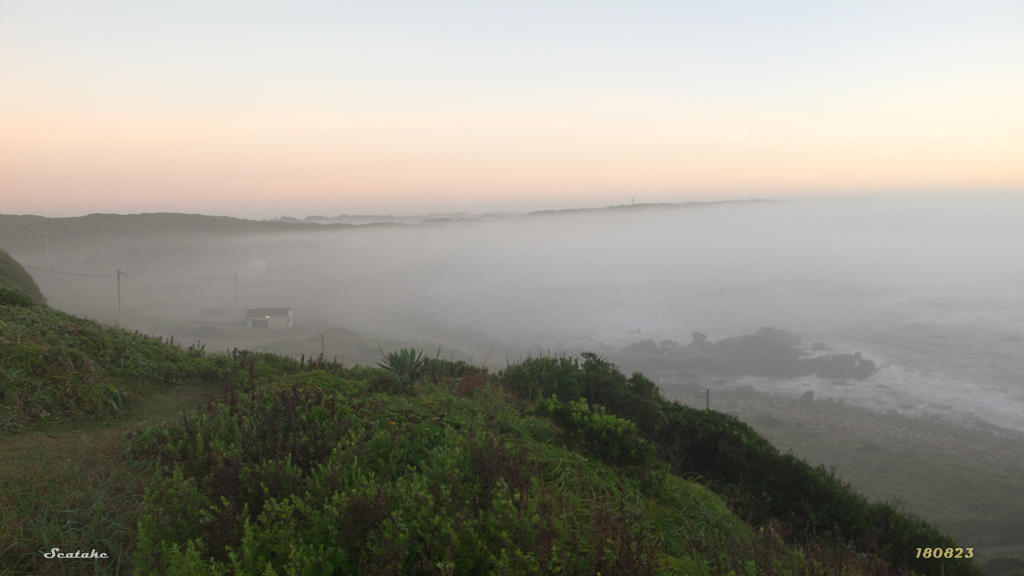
(405, 362)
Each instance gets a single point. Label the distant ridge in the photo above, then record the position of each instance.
(24, 232)
(20, 232)
(646, 206)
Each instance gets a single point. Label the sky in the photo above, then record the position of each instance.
(259, 109)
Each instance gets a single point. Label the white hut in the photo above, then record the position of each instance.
(268, 318)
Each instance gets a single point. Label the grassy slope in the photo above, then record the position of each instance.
(55, 367)
(14, 277)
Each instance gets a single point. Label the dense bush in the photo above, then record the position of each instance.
(608, 438)
(361, 482)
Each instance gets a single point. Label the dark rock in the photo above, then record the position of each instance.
(769, 352)
(842, 366)
(647, 347)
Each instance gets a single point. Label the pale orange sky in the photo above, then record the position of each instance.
(194, 110)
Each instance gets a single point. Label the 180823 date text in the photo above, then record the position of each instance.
(945, 553)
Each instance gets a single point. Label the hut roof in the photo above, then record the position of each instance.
(265, 312)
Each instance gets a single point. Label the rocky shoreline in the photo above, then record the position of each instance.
(769, 352)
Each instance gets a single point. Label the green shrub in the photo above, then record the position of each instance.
(362, 482)
(543, 377)
(608, 438)
(599, 382)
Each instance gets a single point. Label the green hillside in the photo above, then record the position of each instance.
(13, 277)
(421, 466)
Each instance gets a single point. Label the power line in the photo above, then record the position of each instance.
(167, 276)
(68, 273)
(178, 298)
(225, 314)
(134, 278)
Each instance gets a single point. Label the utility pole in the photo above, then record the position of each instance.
(46, 238)
(322, 357)
(118, 296)
(236, 294)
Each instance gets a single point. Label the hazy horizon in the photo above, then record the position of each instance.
(414, 216)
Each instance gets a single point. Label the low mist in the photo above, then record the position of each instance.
(929, 288)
